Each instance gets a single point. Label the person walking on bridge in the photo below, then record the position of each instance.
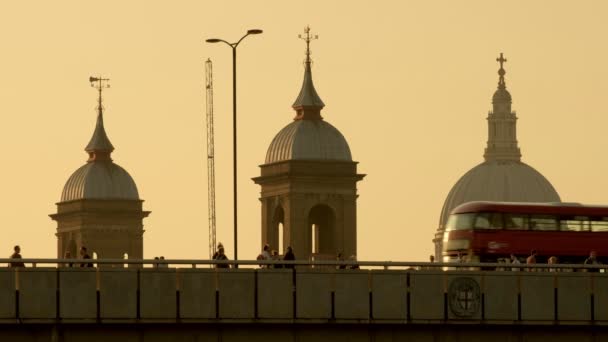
(221, 256)
(219, 245)
(85, 255)
(531, 260)
(289, 256)
(16, 255)
(592, 260)
(265, 256)
(515, 261)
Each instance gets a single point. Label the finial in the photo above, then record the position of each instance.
(501, 72)
(99, 147)
(99, 83)
(308, 105)
(307, 37)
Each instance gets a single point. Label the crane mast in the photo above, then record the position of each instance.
(210, 157)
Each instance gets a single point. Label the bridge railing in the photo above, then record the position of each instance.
(391, 292)
(408, 265)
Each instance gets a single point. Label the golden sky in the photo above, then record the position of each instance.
(408, 83)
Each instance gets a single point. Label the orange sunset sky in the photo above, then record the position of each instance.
(408, 83)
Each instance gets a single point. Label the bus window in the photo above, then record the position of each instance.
(488, 221)
(600, 226)
(543, 222)
(460, 222)
(516, 221)
(573, 225)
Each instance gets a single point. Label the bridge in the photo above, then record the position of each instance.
(388, 301)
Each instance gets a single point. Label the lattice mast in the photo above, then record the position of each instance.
(210, 157)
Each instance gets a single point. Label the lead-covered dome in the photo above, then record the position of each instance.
(100, 177)
(308, 140)
(507, 181)
(100, 180)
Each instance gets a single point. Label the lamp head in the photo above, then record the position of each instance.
(254, 31)
(213, 40)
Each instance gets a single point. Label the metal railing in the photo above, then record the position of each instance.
(387, 265)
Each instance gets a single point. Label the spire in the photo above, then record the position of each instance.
(501, 96)
(502, 128)
(99, 147)
(308, 105)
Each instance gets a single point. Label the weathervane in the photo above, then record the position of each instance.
(99, 83)
(307, 37)
(501, 71)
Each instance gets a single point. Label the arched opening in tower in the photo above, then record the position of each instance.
(278, 234)
(321, 223)
(280, 246)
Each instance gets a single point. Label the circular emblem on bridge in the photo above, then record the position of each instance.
(464, 297)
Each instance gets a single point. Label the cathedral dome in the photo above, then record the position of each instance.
(308, 140)
(100, 180)
(509, 181)
(502, 176)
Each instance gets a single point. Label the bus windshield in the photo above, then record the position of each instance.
(460, 221)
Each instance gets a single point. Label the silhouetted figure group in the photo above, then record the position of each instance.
(273, 255)
(160, 264)
(552, 260)
(352, 265)
(83, 255)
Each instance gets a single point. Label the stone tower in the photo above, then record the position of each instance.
(309, 182)
(502, 176)
(100, 206)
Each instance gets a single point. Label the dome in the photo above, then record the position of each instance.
(502, 177)
(100, 180)
(308, 140)
(499, 180)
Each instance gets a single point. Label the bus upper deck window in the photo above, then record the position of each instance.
(576, 223)
(488, 221)
(543, 222)
(516, 221)
(600, 226)
(571, 225)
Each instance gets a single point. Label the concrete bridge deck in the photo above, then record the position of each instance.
(368, 305)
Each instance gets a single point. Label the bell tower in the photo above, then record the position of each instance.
(100, 206)
(309, 182)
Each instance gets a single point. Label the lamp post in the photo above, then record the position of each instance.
(234, 163)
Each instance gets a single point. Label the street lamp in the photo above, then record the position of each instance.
(233, 46)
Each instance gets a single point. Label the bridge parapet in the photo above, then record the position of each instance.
(108, 295)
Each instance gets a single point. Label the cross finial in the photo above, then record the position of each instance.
(501, 60)
(307, 37)
(501, 71)
(99, 83)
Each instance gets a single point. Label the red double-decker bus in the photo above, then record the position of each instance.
(491, 231)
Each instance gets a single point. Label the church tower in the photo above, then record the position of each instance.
(100, 206)
(309, 182)
(502, 176)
